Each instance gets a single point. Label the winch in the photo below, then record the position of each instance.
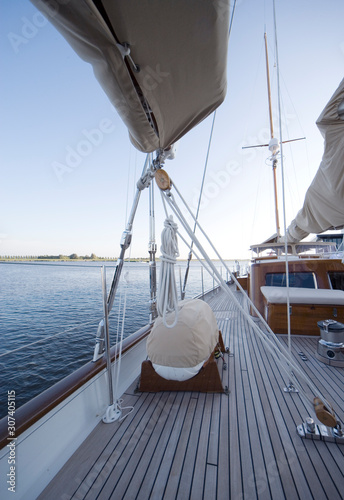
(331, 344)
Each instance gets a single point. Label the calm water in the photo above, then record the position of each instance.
(40, 300)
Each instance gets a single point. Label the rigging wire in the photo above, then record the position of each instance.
(128, 182)
(117, 405)
(120, 328)
(118, 351)
(282, 176)
(268, 337)
(245, 163)
(231, 20)
(204, 171)
(198, 207)
(293, 186)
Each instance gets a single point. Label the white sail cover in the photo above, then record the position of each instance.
(190, 342)
(324, 202)
(181, 50)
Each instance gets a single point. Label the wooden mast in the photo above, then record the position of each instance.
(273, 145)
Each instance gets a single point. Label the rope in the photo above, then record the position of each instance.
(119, 345)
(270, 340)
(167, 300)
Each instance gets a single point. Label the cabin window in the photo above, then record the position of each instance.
(336, 279)
(296, 280)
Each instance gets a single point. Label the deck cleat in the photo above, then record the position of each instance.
(330, 428)
(290, 388)
(113, 413)
(337, 431)
(320, 432)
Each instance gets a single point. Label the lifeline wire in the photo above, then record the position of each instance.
(50, 337)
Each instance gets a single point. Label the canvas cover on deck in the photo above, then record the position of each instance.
(324, 202)
(190, 342)
(180, 47)
(323, 296)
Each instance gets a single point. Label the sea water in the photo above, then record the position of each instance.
(49, 314)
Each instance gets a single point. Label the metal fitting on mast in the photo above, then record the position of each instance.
(126, 238)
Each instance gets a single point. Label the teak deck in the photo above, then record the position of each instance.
(241, 445)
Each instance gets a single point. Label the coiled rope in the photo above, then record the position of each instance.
(167, 300)
(268, 337)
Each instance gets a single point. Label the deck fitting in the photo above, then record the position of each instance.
(290, 388)
(319, 432)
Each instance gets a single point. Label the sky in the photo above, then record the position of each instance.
(50, 103)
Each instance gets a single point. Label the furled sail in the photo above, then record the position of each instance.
(324, 202)
(162, 63)
(179, 353)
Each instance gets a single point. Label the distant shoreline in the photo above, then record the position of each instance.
(97, 259)
(80, 259)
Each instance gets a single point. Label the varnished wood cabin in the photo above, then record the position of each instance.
(316, 281)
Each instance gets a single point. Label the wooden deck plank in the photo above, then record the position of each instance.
(223, 470)
(268, 435)
(164, 469)
(120, 477)
(258, 466)
(116, 458)
(295, 458)
(324, 466)
(300, 465)
(262, 452)
(242, 445)
(325, 458)
(336, 468)
(269, 392)
(133, 479)
(145, 476)
(67, 481)
(234, 446)
(243, 451)
(332, 376)
(191, 452)
(202, 450)
(173, 482)
(210, 483)
(327, 379)
(213, 444)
